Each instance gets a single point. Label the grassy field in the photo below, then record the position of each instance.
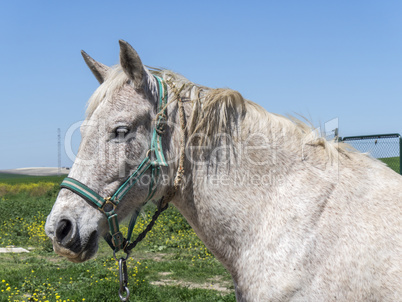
(171, 264)
(392, 162)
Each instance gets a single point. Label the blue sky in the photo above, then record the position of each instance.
(320, 59)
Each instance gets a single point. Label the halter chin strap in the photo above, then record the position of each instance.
(108, 205)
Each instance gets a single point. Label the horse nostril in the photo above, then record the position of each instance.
(64, 231)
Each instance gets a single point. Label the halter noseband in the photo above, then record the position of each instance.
(108, 205)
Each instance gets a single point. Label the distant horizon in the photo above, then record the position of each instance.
(34, 168)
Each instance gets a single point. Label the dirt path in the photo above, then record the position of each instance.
(215, 283)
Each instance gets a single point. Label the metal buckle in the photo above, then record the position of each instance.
(152, 155)
(108, 200)
(149, 152)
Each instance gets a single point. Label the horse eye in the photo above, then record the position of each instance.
(122, 131)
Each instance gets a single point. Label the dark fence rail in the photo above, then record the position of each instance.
(386, 147)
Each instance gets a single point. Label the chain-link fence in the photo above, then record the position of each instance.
(386, 147)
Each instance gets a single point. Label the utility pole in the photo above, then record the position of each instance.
(59, 151)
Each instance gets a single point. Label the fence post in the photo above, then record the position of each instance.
(400, 154)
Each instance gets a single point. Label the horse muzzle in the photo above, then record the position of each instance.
(69, 243)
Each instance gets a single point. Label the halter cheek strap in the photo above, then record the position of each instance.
(108, 205)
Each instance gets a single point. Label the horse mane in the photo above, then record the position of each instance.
(223, 113)
(220, 113)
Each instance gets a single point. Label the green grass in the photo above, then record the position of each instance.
(171, 264)
(17, 178)
(392, 162)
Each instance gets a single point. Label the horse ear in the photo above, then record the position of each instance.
(98, 69)
(131, 63)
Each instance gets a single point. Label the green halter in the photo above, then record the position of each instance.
(108, 205)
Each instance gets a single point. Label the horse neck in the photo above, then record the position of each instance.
(207, 198)
(243, 184)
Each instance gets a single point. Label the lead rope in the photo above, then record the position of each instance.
(124, 292)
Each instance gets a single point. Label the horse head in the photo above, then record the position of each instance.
(116, 137)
